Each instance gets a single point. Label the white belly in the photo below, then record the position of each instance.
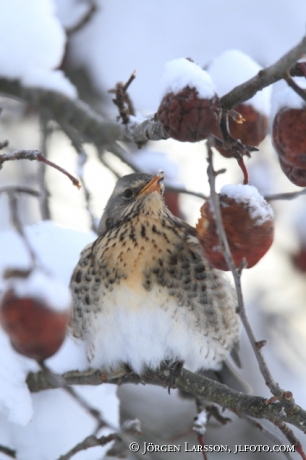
(145, 329)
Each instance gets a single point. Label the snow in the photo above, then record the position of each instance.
(299, 223)
(180, 73)
(59, 423)
(34, 45)
(200, 423)
(45, 425)
(259, 209)
(150, 162)
(15, 399)
(111, 48)
(238, 68)
(70, 12)
(287, 98)
(42, 287)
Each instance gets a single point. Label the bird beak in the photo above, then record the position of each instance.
(155, 185)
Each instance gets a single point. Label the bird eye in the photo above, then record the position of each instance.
(128, 193)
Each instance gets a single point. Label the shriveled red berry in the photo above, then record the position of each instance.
(190, 108)
(296, 175)
(188, 118)
(289, 140)
(230, 69)
(35, 330)
(299, 259)
(251, 132)
(172, 202)
(35, 311)
(248, 222)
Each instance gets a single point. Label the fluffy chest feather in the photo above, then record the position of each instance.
(144, 293)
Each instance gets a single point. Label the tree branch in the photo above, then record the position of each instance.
(198, 385)
(90, 441)
(77, 115)
(35, 155)
(270, 382)
(7, 451)
(264, 78)
(85, 19)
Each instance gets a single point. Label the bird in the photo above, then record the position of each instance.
(144, 293)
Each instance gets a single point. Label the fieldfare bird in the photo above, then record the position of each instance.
(143, 292)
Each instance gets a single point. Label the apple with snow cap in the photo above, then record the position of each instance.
(34, 312)
(189, 110)
(289, 134)
(248, 222)
(229, 70)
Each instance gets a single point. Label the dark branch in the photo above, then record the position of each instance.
(270, 382)
(300, 91)
(90, 441)
(92, 9)
(264, 78)
(291, 438)
(123, 101)
(7, 451)
(90, 125)
(18, 189)
(285, 196)
(199, 386)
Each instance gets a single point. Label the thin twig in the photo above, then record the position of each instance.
(7, 451)
(285, 397)
(4, 143)
(19, 189)
(298, 70)
(291, 438)
(108, 165)
(285, 196)
(81, 161)
(13, 203)
(266, 432)
(85, 19)
(36, 155)
(275, 389)
(293, 85)
(171, 188)
(123, 101)
(45, 196)
(90, 441)
(58, 380)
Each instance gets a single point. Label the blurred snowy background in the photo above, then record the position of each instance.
(39, 47)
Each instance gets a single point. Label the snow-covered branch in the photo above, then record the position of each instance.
(94, 129)
(264, 78)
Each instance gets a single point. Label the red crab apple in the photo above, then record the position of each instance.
(36, 329)
(299, 259)
(248, 222)
(190, 108)
(172, 202)
(251, 131)
(289, 139)
(228, 70)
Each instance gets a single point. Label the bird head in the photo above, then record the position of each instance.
(134, 194)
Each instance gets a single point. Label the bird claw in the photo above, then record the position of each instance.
(131, 372)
